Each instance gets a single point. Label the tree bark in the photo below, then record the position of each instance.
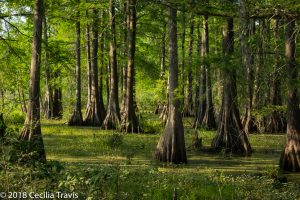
(88, 55)
(188, 106)
(129, 120)
(94, 115)
(290, 158)
(112, 119)
(31, 132)
(102, 66)
(171, 145)
(209, 121)
(48, 95)
(230, 135)
(124, 54)
(76, 118)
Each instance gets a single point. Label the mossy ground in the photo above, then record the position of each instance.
(106, 165)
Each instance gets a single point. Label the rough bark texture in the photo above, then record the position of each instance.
(76, 118)
(112, 119)
(290, 158)
(93, 112)
(129, 120)
(188, 109)
(31, 132)
(230, 135)
(171, 145)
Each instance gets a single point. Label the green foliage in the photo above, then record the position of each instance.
(115, 140)
(15, 117)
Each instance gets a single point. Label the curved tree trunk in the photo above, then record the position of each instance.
(76, 118)
(230, 135)
(93, 112)
(129, 120)
(31, 132)
(112, 119)
(290, 158)
(171, 145)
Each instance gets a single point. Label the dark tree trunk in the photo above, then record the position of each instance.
(129, 120)
(188, 106)
(57, 108)
(290, 158)
(2, 126)
(112, 119)
(183, 57)
(102, 67)
(171, 145)
(230, 135)
(276, 122)
(76, 118)
(93, 112)
(209, 121)
(31, 132)
(88, 55)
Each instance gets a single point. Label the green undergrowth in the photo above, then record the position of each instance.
(98, 164)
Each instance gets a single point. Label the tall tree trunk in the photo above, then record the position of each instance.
(183, 57)
(171, 145)
(246, 30)
(129, 120)
(93, 113)
(290, 158)
(230, 135)
(102, 66)
(160, 106)
(276, 122)
(124, 54)
(88, 55)
(48, 105)
(202, 81)
(31, 132)
(76, 118)
(112, 119)
(188, 106)
(209, 121)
